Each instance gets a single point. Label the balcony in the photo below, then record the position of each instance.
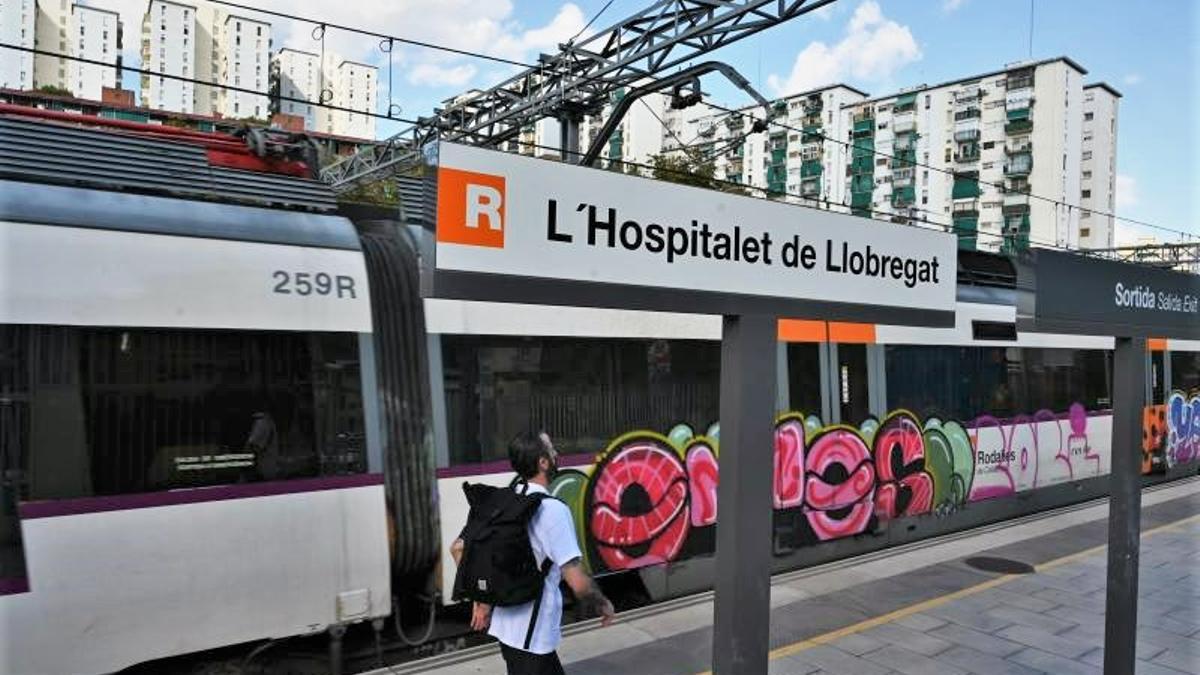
(1023, 147)
(862, 184)
(904, 196)
(1019, 165)
(864, 126)
(968, 95)
(966, 186)
(967, 153)
(966, 228)
(904, 125)
(1018, 127)
(969, 113)
(966, 134)
(1014, 114)
(810, 188)
(966, 209)
(1016, 202)
(810, 169)
(1016, 233)
(1019, 81)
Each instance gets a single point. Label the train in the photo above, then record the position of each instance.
(228, 416)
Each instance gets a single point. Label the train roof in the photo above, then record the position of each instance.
(65, 149)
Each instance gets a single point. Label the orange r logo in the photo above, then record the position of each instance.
(470, 208)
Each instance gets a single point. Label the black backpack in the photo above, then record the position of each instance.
(497, 565)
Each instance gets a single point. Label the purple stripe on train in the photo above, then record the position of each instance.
(13, 585)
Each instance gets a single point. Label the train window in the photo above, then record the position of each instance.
(804, 377)
(1158, 379)
(584, 392)
(14, 404)
(852, 398)
(105, 411)
(1185, 371)
(965, 382)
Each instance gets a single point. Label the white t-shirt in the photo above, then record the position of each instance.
(551, 534)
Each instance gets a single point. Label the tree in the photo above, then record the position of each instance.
(54, 91)
(690, 168)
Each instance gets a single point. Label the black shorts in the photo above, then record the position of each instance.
(521, 662)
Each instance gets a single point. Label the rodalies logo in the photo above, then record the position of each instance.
(470, 208)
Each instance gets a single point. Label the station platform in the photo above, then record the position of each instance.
(930, 608)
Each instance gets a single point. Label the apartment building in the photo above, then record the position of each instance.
(353, 86)
(169, 48)
(301, 82)
(296, 75)
(97, 36)
(205, 43)
(995, 156)
(1098, 166)
(244, 50)
(637, 138)
(540, 139)
(18, 26)
(52, 28)
(797, 159)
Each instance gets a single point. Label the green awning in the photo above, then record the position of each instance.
(965, 188)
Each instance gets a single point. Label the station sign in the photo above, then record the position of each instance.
(1061, 292)
(521, 229)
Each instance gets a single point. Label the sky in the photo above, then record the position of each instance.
(1146, 50)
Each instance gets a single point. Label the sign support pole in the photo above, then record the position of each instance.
(1124, 507)
(742, 602)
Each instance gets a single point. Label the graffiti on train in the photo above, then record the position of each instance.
(652, 498)
(1171, 431)
(1183, 428)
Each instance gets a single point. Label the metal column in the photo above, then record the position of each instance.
(1124, 509)
(742, 601)
(568, 138)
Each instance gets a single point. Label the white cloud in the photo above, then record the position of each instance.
(824, 12)
(1132, 79)
(486, 27)
(433, 75)
(1126, 194)
(951, 5)
(873, 48)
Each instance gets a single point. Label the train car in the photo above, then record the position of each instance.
(884, 434)
(189, 442)
(227, 416)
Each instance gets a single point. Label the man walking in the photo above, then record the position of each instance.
(529, 633)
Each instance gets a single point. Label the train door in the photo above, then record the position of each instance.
(852, 393)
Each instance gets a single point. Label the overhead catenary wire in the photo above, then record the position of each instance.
(206, 83)
(730, 184)
(513, 62)
(591, 21)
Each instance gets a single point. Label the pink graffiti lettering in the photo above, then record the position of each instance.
(639, 504)
(840, 484)
(789, 463)
(905, 488)
(703, 478)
